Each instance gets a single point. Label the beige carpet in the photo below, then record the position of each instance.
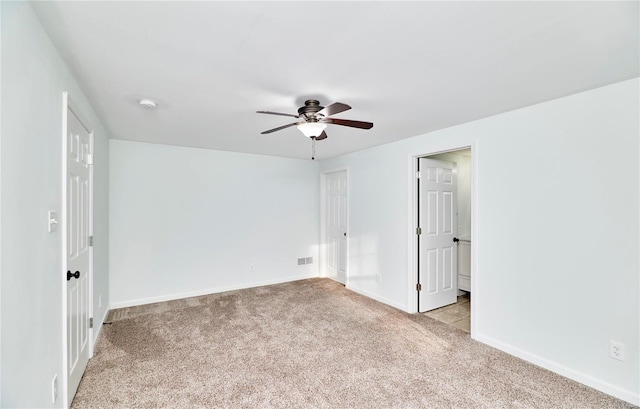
(307, 344)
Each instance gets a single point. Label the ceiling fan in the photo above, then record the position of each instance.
(314, 119)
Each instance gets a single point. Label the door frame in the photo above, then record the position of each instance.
(69, 104)
(412, 273)
(323, 217)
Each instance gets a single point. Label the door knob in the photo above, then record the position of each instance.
(345, 234)
(74, 275)
(455, 239)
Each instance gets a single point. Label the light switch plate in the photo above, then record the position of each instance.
(53, 221)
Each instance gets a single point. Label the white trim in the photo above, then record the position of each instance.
(215, 290)
(377, 298)
(334, 170)
(412, 215)
(322, 262)
(560, 369)
(91, 218)
(64, 379)
(475, 247)
(348, 255)
(0, 215)
(322, 254)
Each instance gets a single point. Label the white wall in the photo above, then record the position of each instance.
(557, 230)
(33, 78)
(190, 221)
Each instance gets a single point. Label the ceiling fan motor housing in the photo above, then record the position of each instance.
(311, 106)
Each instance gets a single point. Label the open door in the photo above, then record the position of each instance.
(437, 226)
(78, 258)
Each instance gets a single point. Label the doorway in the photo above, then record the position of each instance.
(335, 222)
(77, 246)
(443, 210)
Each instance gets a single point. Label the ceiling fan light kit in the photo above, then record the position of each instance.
(314, 120)
(312, 129)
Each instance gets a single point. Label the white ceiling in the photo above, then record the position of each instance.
(408, 67)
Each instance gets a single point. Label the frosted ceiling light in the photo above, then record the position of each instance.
(312, 129)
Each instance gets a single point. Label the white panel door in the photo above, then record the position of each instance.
(437, 263)
(78, 258)
(336, 225)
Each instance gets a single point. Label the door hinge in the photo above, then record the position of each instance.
(418, 230)
(90, 241)
(90, 158)
(90, 322)
(418, 287)
(418, 175)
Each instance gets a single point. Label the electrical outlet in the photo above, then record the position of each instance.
(378, 277)
(616, 350)
(54, 388)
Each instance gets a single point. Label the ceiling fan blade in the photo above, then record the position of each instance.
(334, 108)
(348, 122)
(322, 136)
(280, 128)
(276, 113)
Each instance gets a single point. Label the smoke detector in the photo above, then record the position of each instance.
(148, 103)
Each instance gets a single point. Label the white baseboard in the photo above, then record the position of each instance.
(565, 371)
(197, 293)
(377, 298)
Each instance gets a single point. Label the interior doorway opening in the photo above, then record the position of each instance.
(443, 236)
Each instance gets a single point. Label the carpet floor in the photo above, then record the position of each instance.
(307, 344)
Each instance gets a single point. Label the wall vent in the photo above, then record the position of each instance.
(308, 260)
(301, 261)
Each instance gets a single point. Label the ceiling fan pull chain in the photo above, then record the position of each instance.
(313, 148)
